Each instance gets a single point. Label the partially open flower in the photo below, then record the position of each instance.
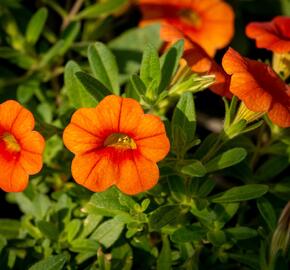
(21, 148)
(116, 144)
(259, 87)
(210, 23)
(273, 35)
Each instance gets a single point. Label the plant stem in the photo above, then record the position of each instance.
(74, 10)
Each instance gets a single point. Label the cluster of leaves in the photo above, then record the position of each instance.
(218, 199)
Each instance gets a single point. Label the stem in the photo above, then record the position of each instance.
(217, 145)
(76, 7)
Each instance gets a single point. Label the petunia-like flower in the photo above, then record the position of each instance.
(116, 144)
(259, 87)
(210, 23)
(21, 148)
(201, 63)
(273, 35)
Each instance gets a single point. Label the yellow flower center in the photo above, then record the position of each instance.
(10, 142)
(190, 17)
(119, 140)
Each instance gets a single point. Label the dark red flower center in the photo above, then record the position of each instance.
(119, 140)
(10, 142)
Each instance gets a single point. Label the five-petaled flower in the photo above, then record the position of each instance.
(259, 87)
(116, 144)
(21, 148)
(210, 23)
(273, 35)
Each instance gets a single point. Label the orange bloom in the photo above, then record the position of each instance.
(274, 35)
(116, 144)
(21, 148)
(201, 63)
(259, 87)
(210, 23)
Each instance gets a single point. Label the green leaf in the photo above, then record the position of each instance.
(77, 93)
(35, 26)
(51, 263)
(183, 123)
(104, 66)
(224, 213)
(188, 234)
(216, 237)
(3, 243)
(169, 63)
(48, 229)
(73, 228)
(84, 245)
(90, 224)
(9, 228)
(26, 90)
(108, 232)
(267, 212)
(109, 203)
(242, 193)
(138, 85)
(92, 85)
(194, 169)
(68, 36)
(241, 233)
(18, 58)
(206, 187)
(129, 46)
(150, 67)
(163, 216)
(226, 159)
(164, 258)
(100, 9)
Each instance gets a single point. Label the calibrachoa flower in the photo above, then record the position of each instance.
(210, 23)
(274, 35)
(116, 144)
(21, 148)
(259, 87)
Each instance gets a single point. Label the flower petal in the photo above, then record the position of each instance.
(15, 118)
(280, 115)
(151, 138)
(32, 142)
(137, 174)
(95, 170)
(31, 162)
(13, 177)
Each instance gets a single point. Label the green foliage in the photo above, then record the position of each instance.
(219, 197)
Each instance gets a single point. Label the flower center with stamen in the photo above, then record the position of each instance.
(190, 17)
(10, 142)
(119, 140)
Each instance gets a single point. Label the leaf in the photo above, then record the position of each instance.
(164, 259)
(241, 233)
(183, 122)
(68, 36)
(48, 229)
(226, 159)
(72, 228)
(108, 232)
(163, 216)
(84, 245)
(78, 95)
(150, 67)
(26, 90)
(18, 58)
(216, 237)
(206, 187)
(92, 85)
(100, 9)
(169, 62)
(129, 46)
(51, 54)
(35, 26)
(138, 85)
(188, 234)
(104, 66)
(242, 193)
(51, 263)
(224, 213)
(194, 169)
(90, 224)
(3, 243)
(9, 228)
(267, 212)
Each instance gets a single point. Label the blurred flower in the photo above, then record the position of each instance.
(116, 144)
(21, 148)
(274, 35)
(259, 87)
(210, 23)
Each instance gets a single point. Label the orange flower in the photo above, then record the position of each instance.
(116, 144)
(259, 87)
(201, 63)
(210, 23)
(274, 35)
(20, 148)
